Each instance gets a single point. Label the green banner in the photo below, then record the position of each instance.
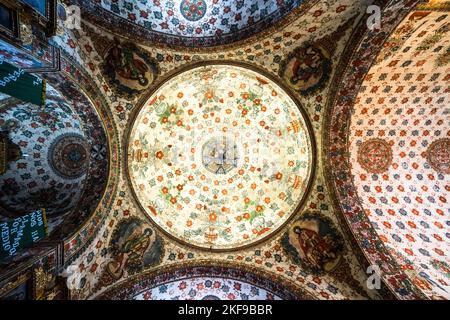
(22, 232)
(21, 85)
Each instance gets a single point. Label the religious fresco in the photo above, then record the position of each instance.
(313, 242)
(134, 247)
(128, 69)
(402, 210)
(210, 141)
(91, 252)
(84, 47)
(307, 69)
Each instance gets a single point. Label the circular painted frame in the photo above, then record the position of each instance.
(309, 129)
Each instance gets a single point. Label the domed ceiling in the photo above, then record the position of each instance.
(400, 148)
(213, 160)
(59, 156)
(220, 157)
(192, 22)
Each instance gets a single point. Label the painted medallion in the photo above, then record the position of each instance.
(193, 10)
(375, 155)
(307, 69)
(438, 155)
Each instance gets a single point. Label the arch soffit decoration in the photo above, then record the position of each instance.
(349, 77)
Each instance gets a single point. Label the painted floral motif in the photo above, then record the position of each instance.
(206, 288)
(210, 20)
(257, 183)
(69, 155)
(313, 242)
(206, 282)
(128, 69)
(375, 155)
(220, 156)
(407, 205)
(307, 69)
(438, 155)
(193, 10)
(134, 247)
(401, 35)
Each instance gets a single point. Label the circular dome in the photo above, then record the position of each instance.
(220, 157)
(45, 174)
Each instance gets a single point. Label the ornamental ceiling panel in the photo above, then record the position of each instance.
(220, 157)
(206, 288)
(205, 282)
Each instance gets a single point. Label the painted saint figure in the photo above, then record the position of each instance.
(131, 252)
(127, 66)
(128, 69)
(314, 243)
(307, 68)
(318, 250)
